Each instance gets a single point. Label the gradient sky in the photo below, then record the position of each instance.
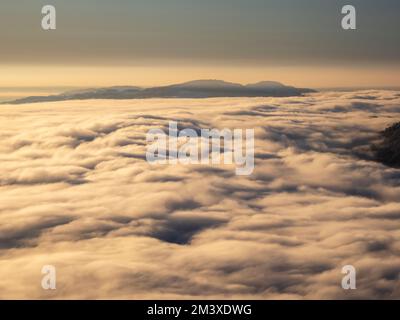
(148, 42)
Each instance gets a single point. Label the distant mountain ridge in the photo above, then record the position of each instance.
(191, 89)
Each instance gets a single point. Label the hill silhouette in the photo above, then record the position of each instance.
(191, 89)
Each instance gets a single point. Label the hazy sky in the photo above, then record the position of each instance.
(146, 42)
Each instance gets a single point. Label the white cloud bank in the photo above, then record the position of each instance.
(77, 193)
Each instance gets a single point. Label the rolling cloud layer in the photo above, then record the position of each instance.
(77, 193)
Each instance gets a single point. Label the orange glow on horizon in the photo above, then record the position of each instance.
(94, 76)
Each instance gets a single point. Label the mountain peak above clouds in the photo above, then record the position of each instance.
(206, 88)
(207, 83)
(266, 84)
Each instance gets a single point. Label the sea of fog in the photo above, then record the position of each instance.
(76, 192)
